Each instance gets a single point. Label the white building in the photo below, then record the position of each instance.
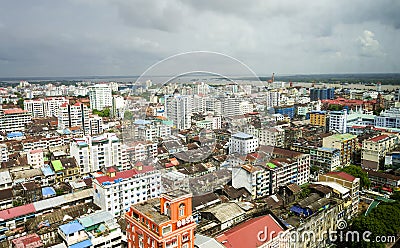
(338, 121)
(35, 158)
(246, 107)
(100, 96)
(116, 191)
(216, 121)
(95, 153)
(151, 130)
(178, 108)
(44, 107)
(12, 120)
(141, 150)
(76, 115)
(242, 143)
(6, 180)
(95, 125)
(273, 136)
(3, 153)
(374, 150)
(254, 179)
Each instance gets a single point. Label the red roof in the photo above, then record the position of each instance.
(14, 111)
(341, 174)
(249, 233)
(124, 174)
(64, 105)
(379, 138)
(17, 211)
(121, 174)
(35, 151)
(32, 240)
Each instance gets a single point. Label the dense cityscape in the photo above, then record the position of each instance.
(195, 164)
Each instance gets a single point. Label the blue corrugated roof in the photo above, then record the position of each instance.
(15, 134)
(47, 171)
(141, 122)
(83, 244)
(71, 227)
(48, 191)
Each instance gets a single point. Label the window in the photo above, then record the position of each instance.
(166, 229)
(181, 209)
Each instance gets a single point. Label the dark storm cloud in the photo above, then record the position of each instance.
(120, 37)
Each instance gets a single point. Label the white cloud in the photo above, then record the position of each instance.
(370, 47)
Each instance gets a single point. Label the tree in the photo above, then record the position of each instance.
(20, 103)
(103, 113)
(356, 171)
(128, 115)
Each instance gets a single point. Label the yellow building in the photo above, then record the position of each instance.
(318, 118)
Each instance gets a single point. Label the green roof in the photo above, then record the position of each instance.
(271, 165)
(345, 136)
(57, 165)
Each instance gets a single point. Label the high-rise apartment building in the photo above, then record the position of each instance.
(100, 96)
(14, 120)
(322, 94)
(338, 121)
(76, 115)
(44, 107)
(178, 108)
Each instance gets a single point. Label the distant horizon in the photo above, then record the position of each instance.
(191, 75)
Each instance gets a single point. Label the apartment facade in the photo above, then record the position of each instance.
(100, 96)
(98, 152)
(243, 143)
(349, 182)
(374, 150)
(44, 107)
(338, 121)
(14, 120)
(318, 118)
(116, 191)
(76, 115)
(346, 143)
(254, 178)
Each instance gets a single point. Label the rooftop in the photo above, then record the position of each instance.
(71, 227)
(150, 209)
(241, 135)
(246, 233)
(342, 175)
(379, 138)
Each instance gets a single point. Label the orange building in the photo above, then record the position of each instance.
(164, 222)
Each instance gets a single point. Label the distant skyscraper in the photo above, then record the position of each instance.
(100, 96)
(178, 108)
(322, 94)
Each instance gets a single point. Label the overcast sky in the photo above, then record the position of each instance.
(124, 37)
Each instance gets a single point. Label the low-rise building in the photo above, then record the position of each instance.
(349, 182)
(374, 150)
(255, 179)
(327, 159)
(162, 222)
(243, 143)
(346, 143)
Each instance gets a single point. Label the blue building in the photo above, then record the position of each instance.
(285, 110)
(322, 94)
